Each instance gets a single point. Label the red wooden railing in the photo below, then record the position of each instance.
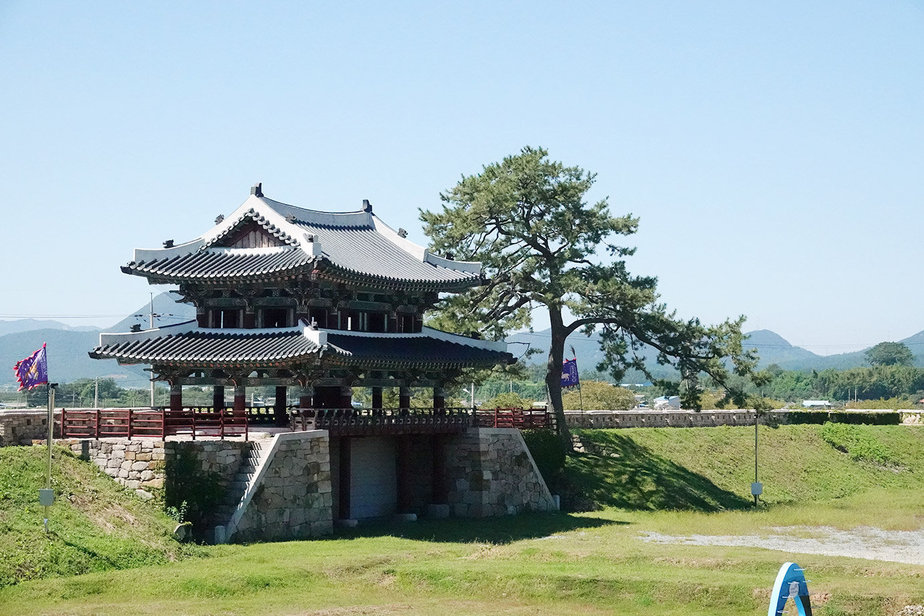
(129, 423)
(205, 421)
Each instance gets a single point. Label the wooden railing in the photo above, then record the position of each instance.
(359, 422)
(158, 423)
(205, 421)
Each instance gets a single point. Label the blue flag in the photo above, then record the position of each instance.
(33, 370)
(569, 373)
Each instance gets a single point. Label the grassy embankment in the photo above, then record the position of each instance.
(696, 481)
(94, 524)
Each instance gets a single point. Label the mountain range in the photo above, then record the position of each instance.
(771, 347)
(68, 347)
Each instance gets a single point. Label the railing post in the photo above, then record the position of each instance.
(129, 426)
(193, 415)
(163, 423)
(97, 424)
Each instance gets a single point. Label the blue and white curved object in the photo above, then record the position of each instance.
(790, 584)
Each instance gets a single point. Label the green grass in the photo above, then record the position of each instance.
(94, 524)
(711, 469)
(678, 482)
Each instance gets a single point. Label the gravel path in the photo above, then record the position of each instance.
(900, 546)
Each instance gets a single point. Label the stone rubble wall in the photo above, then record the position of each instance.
(698, 419)
(21, 427)
(491, 472)
(294, 498)
(137, 464)
(662, 419)
(142, 464)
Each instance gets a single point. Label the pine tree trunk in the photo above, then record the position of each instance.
(553, 379)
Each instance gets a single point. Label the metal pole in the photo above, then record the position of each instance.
(755, 452)
(152, 327)
(51, 427)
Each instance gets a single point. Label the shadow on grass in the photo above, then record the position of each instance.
(497, 530)
(92, 554)
(621, 473)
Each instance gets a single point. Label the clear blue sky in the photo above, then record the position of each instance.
(773, 151)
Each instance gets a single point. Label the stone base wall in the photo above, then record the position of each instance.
(143, 464)
(138, 464)
(665, 419)
(21, 427)
(490, 472)
(699, 419)
(294, 496)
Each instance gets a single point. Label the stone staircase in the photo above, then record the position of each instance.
(239, 487)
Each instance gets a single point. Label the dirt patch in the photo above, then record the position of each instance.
(900, 546)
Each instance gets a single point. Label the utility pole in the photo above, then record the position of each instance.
(96, 393)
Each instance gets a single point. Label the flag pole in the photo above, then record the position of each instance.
(51, 427)
(48, 497)
(580, 393)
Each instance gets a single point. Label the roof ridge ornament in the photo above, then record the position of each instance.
(257, 189)
(367, 207)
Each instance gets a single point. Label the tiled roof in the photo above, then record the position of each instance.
(365, 251)
(343, 246)
(203, 347)
(197, 347)
(400, 350)
(222, 264)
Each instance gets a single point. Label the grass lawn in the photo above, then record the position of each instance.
(585, 563)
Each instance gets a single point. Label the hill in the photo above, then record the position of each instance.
(710, 469)
(68, 346)
(94, 524)
(26, 325)
(771, 347)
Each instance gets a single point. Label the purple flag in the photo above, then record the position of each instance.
(569, 373)
(33, 370)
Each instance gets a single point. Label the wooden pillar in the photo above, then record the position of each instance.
(346, 397)
(218, 397)
(202, 317)
(343, 498)
(439, 398)
(405, 477)
(305, 398)
(240, 397)
(377, 398)
(437, 455)
(279, 407)
(176, 396)
(404, 397)
(250, 317)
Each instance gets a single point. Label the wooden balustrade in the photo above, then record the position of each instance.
(206, 421)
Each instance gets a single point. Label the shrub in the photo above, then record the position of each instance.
(546, 452)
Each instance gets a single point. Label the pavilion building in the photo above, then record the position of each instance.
(319, 301)
(315, 304)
